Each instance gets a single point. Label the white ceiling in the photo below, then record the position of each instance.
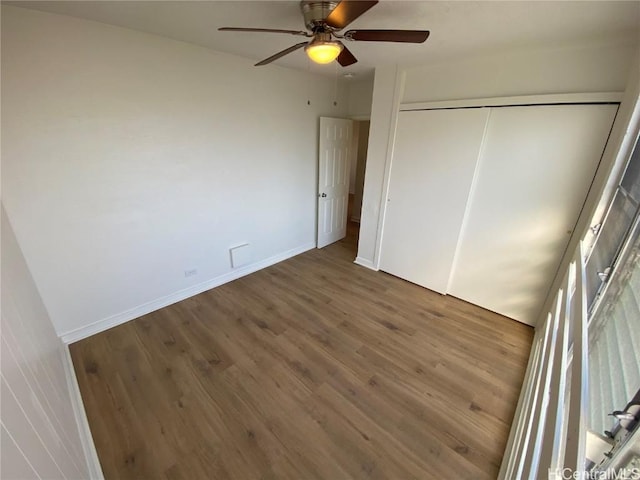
(458, 28)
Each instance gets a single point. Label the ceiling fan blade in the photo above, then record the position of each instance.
(347, 11)
(280, 54)
(406, 36)
(264, 30)
(346, 58)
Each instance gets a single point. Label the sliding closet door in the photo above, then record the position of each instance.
(432, 169)
(534, 173)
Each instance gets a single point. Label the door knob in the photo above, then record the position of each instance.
(323, 195)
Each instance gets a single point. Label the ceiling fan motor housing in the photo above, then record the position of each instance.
(315, 13)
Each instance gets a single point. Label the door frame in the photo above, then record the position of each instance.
(349, 157)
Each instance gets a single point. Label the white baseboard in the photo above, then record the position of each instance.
(120, 318)
(88, 447)
(363, 262)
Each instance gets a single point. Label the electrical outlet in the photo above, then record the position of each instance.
(190, 273)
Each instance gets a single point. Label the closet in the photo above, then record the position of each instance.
(483, 201)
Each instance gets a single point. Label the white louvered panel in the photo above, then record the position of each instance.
(616, 372)
(627, 374)
(614, 364)
(629, 326)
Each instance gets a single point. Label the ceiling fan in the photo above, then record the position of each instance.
(324, 19)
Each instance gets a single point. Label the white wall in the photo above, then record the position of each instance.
(601, 68)
(596, 68)
(360, 96)
(40, 437)
(130, 158)
(361, 163)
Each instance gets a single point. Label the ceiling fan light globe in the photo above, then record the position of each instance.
(323, 52)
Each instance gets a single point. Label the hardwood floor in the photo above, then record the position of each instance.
(312, 368)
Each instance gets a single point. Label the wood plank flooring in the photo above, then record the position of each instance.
(314, 368)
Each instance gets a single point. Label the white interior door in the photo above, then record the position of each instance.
(434, 160)
(333, 179)
(535, 171)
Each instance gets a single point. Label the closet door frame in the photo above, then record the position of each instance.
(520, 101)
(536, 169)
(552, 99)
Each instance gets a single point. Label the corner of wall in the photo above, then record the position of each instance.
(86, 439)
(46, 401)
(387, 93)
